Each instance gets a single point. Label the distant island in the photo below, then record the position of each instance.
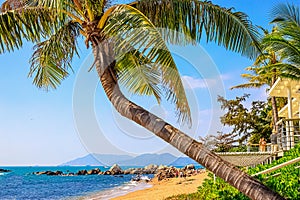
(126, 160)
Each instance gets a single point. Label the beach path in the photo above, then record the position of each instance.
(166, 188)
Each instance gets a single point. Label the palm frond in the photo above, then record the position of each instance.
(288, 70)
(138, 75)
(286, 12)
(29, 23)
(286, 40)
(184, 21)
(132, 30)
(51, 59)
(262, 58)
(248, 85)
(287, 48)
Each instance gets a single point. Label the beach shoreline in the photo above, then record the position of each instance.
(154, 189)
(166, 188)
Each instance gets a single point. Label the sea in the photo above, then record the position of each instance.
(21, 184)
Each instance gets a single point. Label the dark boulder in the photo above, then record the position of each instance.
(81, 172)
(94, 171)
(5, 170)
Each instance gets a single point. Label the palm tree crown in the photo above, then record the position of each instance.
(285, 40)
(140, 29)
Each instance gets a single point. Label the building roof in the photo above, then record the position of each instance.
(279, 89)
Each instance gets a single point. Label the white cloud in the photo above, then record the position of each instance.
(225, 77)
(197, 83)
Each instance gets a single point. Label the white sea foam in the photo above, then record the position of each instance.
(118, 191)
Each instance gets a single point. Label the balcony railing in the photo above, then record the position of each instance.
(288, 134)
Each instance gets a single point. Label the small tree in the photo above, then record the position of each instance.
(251, 123)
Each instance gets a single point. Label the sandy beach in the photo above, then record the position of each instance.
(165, 188)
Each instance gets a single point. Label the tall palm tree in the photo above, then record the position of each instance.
(286, 40)
(263, 72)
(129, 50)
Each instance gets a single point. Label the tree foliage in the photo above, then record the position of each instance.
(253, 122)
(285, 40)
(140, 31)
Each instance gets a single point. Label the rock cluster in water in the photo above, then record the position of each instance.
(114, 170)
(4, 170)
(161, 172)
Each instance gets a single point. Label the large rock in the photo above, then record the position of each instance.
(115, 169)
(107, 173)
(189, 167)
(128, 171)
(81, 172)
(164, 174)
(150, 169)
(5, 170)
(94, 171)
(151, 166)
(49, 173)
(137, 171)
(162, 167)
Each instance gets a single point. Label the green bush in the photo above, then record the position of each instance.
(285, 181)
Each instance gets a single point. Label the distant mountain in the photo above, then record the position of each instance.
(110, 159)
(183, 161)
(86, 160)
(125, 160)
(98, 160)
(147, 159)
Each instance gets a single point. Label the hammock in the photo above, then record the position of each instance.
(244, 159)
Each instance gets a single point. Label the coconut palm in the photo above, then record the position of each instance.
(263, 72)
(286, 41)
(128, 43)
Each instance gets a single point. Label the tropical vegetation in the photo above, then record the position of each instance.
(247, 125)
(128, 42)
(285, 40)
(263, 72)
(285, 181)
(280, 54)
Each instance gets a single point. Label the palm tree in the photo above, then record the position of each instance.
(286, 41)
(263, 72)
(130, 51)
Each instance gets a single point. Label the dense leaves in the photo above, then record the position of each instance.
(27, 23)
(50, 61)
(139, 31)
(146, 65)
(286, 39)
(252, 122)
(192, 18)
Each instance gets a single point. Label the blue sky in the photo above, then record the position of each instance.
(49, 128)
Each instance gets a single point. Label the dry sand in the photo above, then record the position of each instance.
(166, 188)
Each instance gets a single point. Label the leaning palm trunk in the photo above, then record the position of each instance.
(187, 145)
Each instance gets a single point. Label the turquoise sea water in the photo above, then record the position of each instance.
(22, 184)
